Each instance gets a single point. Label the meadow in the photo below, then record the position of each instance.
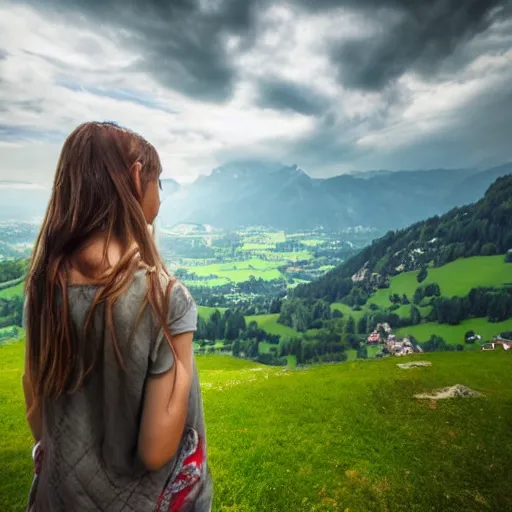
(270, 324)
(338, 437)
(455, 278)
(13, 291)
(455, 333)
(238, 271)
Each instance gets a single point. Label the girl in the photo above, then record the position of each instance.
(111, 386)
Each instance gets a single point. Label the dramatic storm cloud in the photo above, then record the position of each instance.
(333, 86)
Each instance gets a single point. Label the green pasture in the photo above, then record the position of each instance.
(329, 438)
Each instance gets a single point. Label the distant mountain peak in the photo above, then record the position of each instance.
(237, 169)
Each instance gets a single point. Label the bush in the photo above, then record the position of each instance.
(422, 274)
(270, 359)
(488, 249)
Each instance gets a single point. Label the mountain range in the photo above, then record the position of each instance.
(248, 193)
(251, 192)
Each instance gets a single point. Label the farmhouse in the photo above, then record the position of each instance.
(374, 337)
(401, 347)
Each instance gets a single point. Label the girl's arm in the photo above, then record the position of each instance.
(165, 407)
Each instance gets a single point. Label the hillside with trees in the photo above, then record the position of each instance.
(480, 229)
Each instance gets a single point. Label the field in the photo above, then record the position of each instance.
(206, 311)
(455, 278)
(238, 271)
(13, 291)
(269, 323)
(455, 333)
(212, 258)
(332, 438)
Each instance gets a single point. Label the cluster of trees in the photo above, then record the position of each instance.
(311, 351)
(395, 299)
(231, 326)
(430, 290)
(252, 297)
(438, 344)
(301, 315)
(11, 311)
(493, 303)
(12, 269)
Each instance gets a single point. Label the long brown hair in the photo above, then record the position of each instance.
(93, 192)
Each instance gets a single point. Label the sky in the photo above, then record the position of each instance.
(333, 86)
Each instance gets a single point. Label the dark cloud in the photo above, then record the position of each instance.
(286, 95)
(181, 44)
(478, 137)
(414, 35)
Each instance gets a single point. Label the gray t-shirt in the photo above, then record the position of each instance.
(90, 436)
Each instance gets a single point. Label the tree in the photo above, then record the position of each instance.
(362, 352)
(418, 295)
(422, 274)
(394, 298)
(415, 315)
(236, 348)
(488, 249)
(468, 335)
(350, 326)
(362, 325)
(275, 306)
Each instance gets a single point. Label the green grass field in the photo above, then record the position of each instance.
(236, 271)
(333, 438)
(269, 324)
(348, 311)
(455, 278)
(13, 291)
(455, 333)
(206, 311)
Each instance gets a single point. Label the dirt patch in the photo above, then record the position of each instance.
(414, 363)
(450, 392)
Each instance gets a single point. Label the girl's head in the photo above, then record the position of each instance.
(107, 177)
(107, 185)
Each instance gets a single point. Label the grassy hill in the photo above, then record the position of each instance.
(454, 278)
(13, 291)
(270, 324)
(329, 438)
(455, 333)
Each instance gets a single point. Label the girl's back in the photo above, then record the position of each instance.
(90, 440)
(111, 385)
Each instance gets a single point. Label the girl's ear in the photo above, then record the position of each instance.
(135, 171)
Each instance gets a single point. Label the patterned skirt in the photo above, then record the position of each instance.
(185, 483)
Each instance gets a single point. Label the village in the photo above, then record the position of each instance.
(383, 334)
(392, 345)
